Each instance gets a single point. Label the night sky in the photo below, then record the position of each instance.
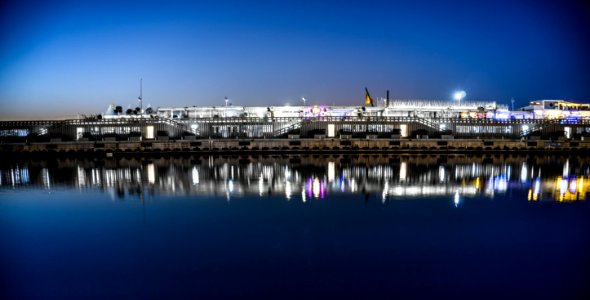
(68, 57)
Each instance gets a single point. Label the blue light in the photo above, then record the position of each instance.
(537, 187)
(571, 119)
(502, 116)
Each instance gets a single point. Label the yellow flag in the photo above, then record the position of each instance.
(368, 99)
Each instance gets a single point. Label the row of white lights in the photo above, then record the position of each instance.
(458, 96)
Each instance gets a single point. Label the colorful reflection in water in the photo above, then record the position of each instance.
(362, 227)
(561, 189)
(390, 177)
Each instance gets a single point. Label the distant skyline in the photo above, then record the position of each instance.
(63, 58)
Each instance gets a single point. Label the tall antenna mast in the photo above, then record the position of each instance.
(140, 98)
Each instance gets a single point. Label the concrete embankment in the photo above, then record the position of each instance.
(219, 146)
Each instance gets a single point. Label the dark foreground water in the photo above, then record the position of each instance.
(498, 227)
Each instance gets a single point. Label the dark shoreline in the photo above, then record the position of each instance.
(290, 146)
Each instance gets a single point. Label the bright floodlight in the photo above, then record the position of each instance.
(459, 95)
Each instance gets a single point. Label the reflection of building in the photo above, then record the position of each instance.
(312, 177)
(560, 189)
(14, 176)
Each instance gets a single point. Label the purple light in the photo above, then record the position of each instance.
(573, 185)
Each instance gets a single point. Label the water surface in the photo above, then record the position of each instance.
(296, 226)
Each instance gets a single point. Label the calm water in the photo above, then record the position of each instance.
(296, 226)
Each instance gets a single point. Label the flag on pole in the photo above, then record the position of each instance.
(368, 99)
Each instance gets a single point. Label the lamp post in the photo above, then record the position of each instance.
(303, 99)
(459, 95)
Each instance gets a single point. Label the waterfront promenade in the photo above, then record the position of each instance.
(295, 135)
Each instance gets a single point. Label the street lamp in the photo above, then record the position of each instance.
(459, 95)
(226, 101)
(303, 98)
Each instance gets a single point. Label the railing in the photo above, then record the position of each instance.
(434, 126)
(180, 127)
(276, 127)
(287, 129)
(530, 130)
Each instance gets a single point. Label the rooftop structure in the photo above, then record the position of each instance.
(394, 119)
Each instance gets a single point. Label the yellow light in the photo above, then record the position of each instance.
(316, 110)
(529, 197)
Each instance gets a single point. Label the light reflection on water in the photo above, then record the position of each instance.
(293, 227)
(562, 179)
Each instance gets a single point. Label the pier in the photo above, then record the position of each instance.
(320, 134)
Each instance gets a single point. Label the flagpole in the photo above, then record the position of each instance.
(141, 96)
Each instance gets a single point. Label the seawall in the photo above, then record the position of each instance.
(328, 145)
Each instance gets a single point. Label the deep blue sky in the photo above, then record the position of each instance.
(68, 57)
